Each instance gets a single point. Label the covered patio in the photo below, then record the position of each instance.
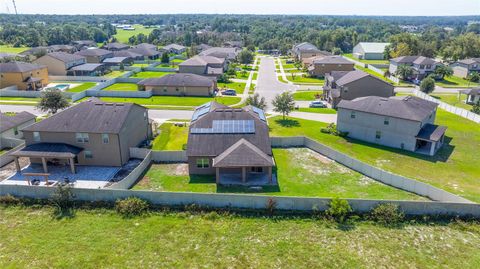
(430, 139)
(88, 69)
(33, 83)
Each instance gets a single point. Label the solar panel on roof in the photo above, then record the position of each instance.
(200, 111)
(260, 113)
(227, 127)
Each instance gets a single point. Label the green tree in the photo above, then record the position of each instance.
(443, 71)
(256, 101)
(165, 58)
(474, 77)
(283, 103)
(52, 100)
(476, 108)
(404, 71)
(245, 57)
(427, 85)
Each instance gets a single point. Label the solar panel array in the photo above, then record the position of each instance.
(201, 111)
(227, 127)
(260, 113)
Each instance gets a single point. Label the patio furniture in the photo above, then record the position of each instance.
(45, 175)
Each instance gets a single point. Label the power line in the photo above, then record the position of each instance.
(15, 6)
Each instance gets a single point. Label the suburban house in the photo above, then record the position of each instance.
(63, 48)
(308, 61)
(323, 65)
(307, 50)
(231, 143)
(203, 65)
(36, 51)
(233, 44)
(422, 66)
(147, 53)
(203, 47)
(84, 44)
(229, 54)
(370, 50)
(12, 124)
(115, 46)
(175, 48)
(90, 133)
(26, 76)
(405, 122)
(348, 85)
(180, 84)
(129, 54)
(465, 67)
(95, 56)
(59, 63)
(116, 61)
(473, 95)
(146, 46)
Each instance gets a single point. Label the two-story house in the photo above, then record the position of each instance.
(95, 56)
(348, 85)
(323, 65)
(466, 67)
(203, 65)
(179, 84)
(306, 50)
(26, 76)
(405, 122)
(59, 63)
(422, 66)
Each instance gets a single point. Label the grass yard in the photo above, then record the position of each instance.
(171, 101)
(150, 74)
(140, 65)
(4, 99)
(115, 74)
(255, 76)
(171, 137)
(306, 95)
(82, 87)
(177, 61)
(123, 35)
(301, 172)
(305, 80)
(349, 55)
(317, 110)
(453, 99)
(239, 87)
(241, 75)
(122, 87)
(456, 82)
(32, 238)
(454, 168)
(10, 49)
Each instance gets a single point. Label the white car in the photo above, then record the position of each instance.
(319, 104)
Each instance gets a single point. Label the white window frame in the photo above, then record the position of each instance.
(82, 137)
(203, 163)
(89, 155)
(105, 137)
(36, 137)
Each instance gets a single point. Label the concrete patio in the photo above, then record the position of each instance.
(253, 179)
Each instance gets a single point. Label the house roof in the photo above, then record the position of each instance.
(59, 150)
(146, 46)
(305, 46)
(373, 47)
(93, 52)
(403, 107)
(35, 50)
(241, 154)
(115, 45)
(85, 67)
(215, 143)
(203, 47)
(126, 53)
(470, 61)
(334, 59)
(65, 57)
(145, 51)
(413, 60)
(85, 42)
(8, 122)
(473, 91)
(115, 60)
(179, 79)
(345, 77)
(91, 116)
(220, 52)
(202, 61)
(61, 47)
(19, 67)
(174, 46)
(431, 132)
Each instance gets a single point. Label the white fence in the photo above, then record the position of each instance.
(10, 88)
(169, 156)
(14, 144)
(375, 69)
(452, 109)
(77, 78)
(242, 201)
(129, 181)
(385, 177)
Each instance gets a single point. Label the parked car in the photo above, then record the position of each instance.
(229, 92)
(319, 104)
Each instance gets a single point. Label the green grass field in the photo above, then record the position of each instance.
(122, 87)
(305, 80)
(454, 168)
(123, 35)
(306, 95)
(171, 137)
(349, 55)
(453, 99)
(317, 110)
(140, 65)
(150, 74)
(456, 82)
(32, 238)
(172, 100)
(115, 74)
(82, 87)
(10, 49)
(21, 99)
(239, 87)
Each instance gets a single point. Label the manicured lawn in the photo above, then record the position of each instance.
(305, 80)
(306, 95)
(349, 55)
(122, 87)
(82, 87)
(454, 168)
(10, 49)
(171, 137)
(115, 74)
(150, 74)
(140, 65)
(317, 110)
(456, 82)
(124, 35)
(177, 61)
(173, 100)
(239, 87)
(453, 99)
(289, 66)
(21, 99)
(102, 239)
(255, 76)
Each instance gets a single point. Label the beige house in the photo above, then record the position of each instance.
(26, 76)
(59, 63)
(307, 50)
(203, 65)
(90, 133)
(95, 56)
(466, 67)
(180, 84)
(12, 124)
(323, 65)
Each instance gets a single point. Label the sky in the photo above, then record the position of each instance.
(310, 7)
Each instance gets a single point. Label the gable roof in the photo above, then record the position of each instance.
(115, 60)
(19, 67)
(470, 61)
(115, 45)
(221, 52)
(373, 47)
(86, 67)
(201, 60)
(305, 46)
(413, 60)
(179, 79)
(61, 47)
(403, 107)
(65, 57)
(334, 59)
(242, 153)
(8, 122)
(174, 46)
(145, 51)
(93, 52)
(126, 53)
(345, 77)
(91, 116)
(146, 46)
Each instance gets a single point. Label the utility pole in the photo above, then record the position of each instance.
(15, 6)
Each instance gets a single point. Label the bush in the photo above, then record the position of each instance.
(387, 214)
(339, 209)
(332, 129)
(427, 85)
(474, 77)
(62, 199)
(271, 206)
(131, 207)
(9, 200)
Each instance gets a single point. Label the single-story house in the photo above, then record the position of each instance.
(63, 48)
(59, 63)
(466, 67)
(26, 76)
(370, 50)
(147, 53)
(473, 95)
(36, 51)
(95, 56)
(130, 54)
(323, 65)
(404, 122)
(84, 44)
(231, 143)
(180, 84)
(307, 50)
(115, 46)
(146, 46)
(203, 65)
(12, 124)
(87, 69)
(116, 61)
(422, 66)
(348, 85)
(229, 54)
(203, 47)
(175, 48)
(89, 133)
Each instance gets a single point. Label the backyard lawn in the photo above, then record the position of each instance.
(123, 35)
(453, 99)
(317, 110)
(140, 65)
(10, 49)
(100, 238)
(171, 137)
(122, 87)
(239, 87)
(455, 82)
(115, 74)
(82, 87)
(19, 100)
(172, 100)
(306, 95)
(150, 74)
(349, 55)
(454, 168)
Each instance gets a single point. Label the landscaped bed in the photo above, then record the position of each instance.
(150, 74)
(122, 87)
(171, 137)
(306, 95)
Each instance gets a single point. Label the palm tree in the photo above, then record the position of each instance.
(404, 71)
(443, 71)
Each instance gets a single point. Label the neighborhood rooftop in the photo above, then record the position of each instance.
(65, 57)
(373, 47)
(93, 52)
(179, 79)
(10, 121)
(18, 67)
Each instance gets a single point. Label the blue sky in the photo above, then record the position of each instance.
(317, 7)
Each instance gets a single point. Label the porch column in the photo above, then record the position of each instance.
(17, 164)
(217, 175)
(432, 148)
(270, 174)
(244, 174)
(72, 166)
(44, 163)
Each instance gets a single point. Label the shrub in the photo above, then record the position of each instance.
(62, 199)
(387, 214)
(427, 85)
(339, 209)
(271, 206)
(332, 129)
(9, 200)
(131, 207)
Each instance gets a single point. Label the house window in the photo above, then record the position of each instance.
(82, 137)
(164, 89)
(352, 115)
(203, 163)
(378, 135)
(15, 130)
(36, 136)
(105, 138)
(429, 66)
(257, 169)
(402, 146)
(88, 154)
(145, 115)
(386, 121)
(177, 89)
(345, 89)
(422, 66)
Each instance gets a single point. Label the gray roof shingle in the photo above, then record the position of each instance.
(8, 122)
(179, 79)
(19, 67)
(65, 57)
(242, 153)
(93, 52)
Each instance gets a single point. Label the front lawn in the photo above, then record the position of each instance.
(122, 87)
(171, 137)
(239, 87)
(305, 80)
(317, 110)
(140, 65)
(306, 95)
(115, 74)
(173, 100)
(349, 55)
(255, 76)
(453, 99)
(11, 49)
(150, 74)
(456, 82)
(82, 87)
(454, 168)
